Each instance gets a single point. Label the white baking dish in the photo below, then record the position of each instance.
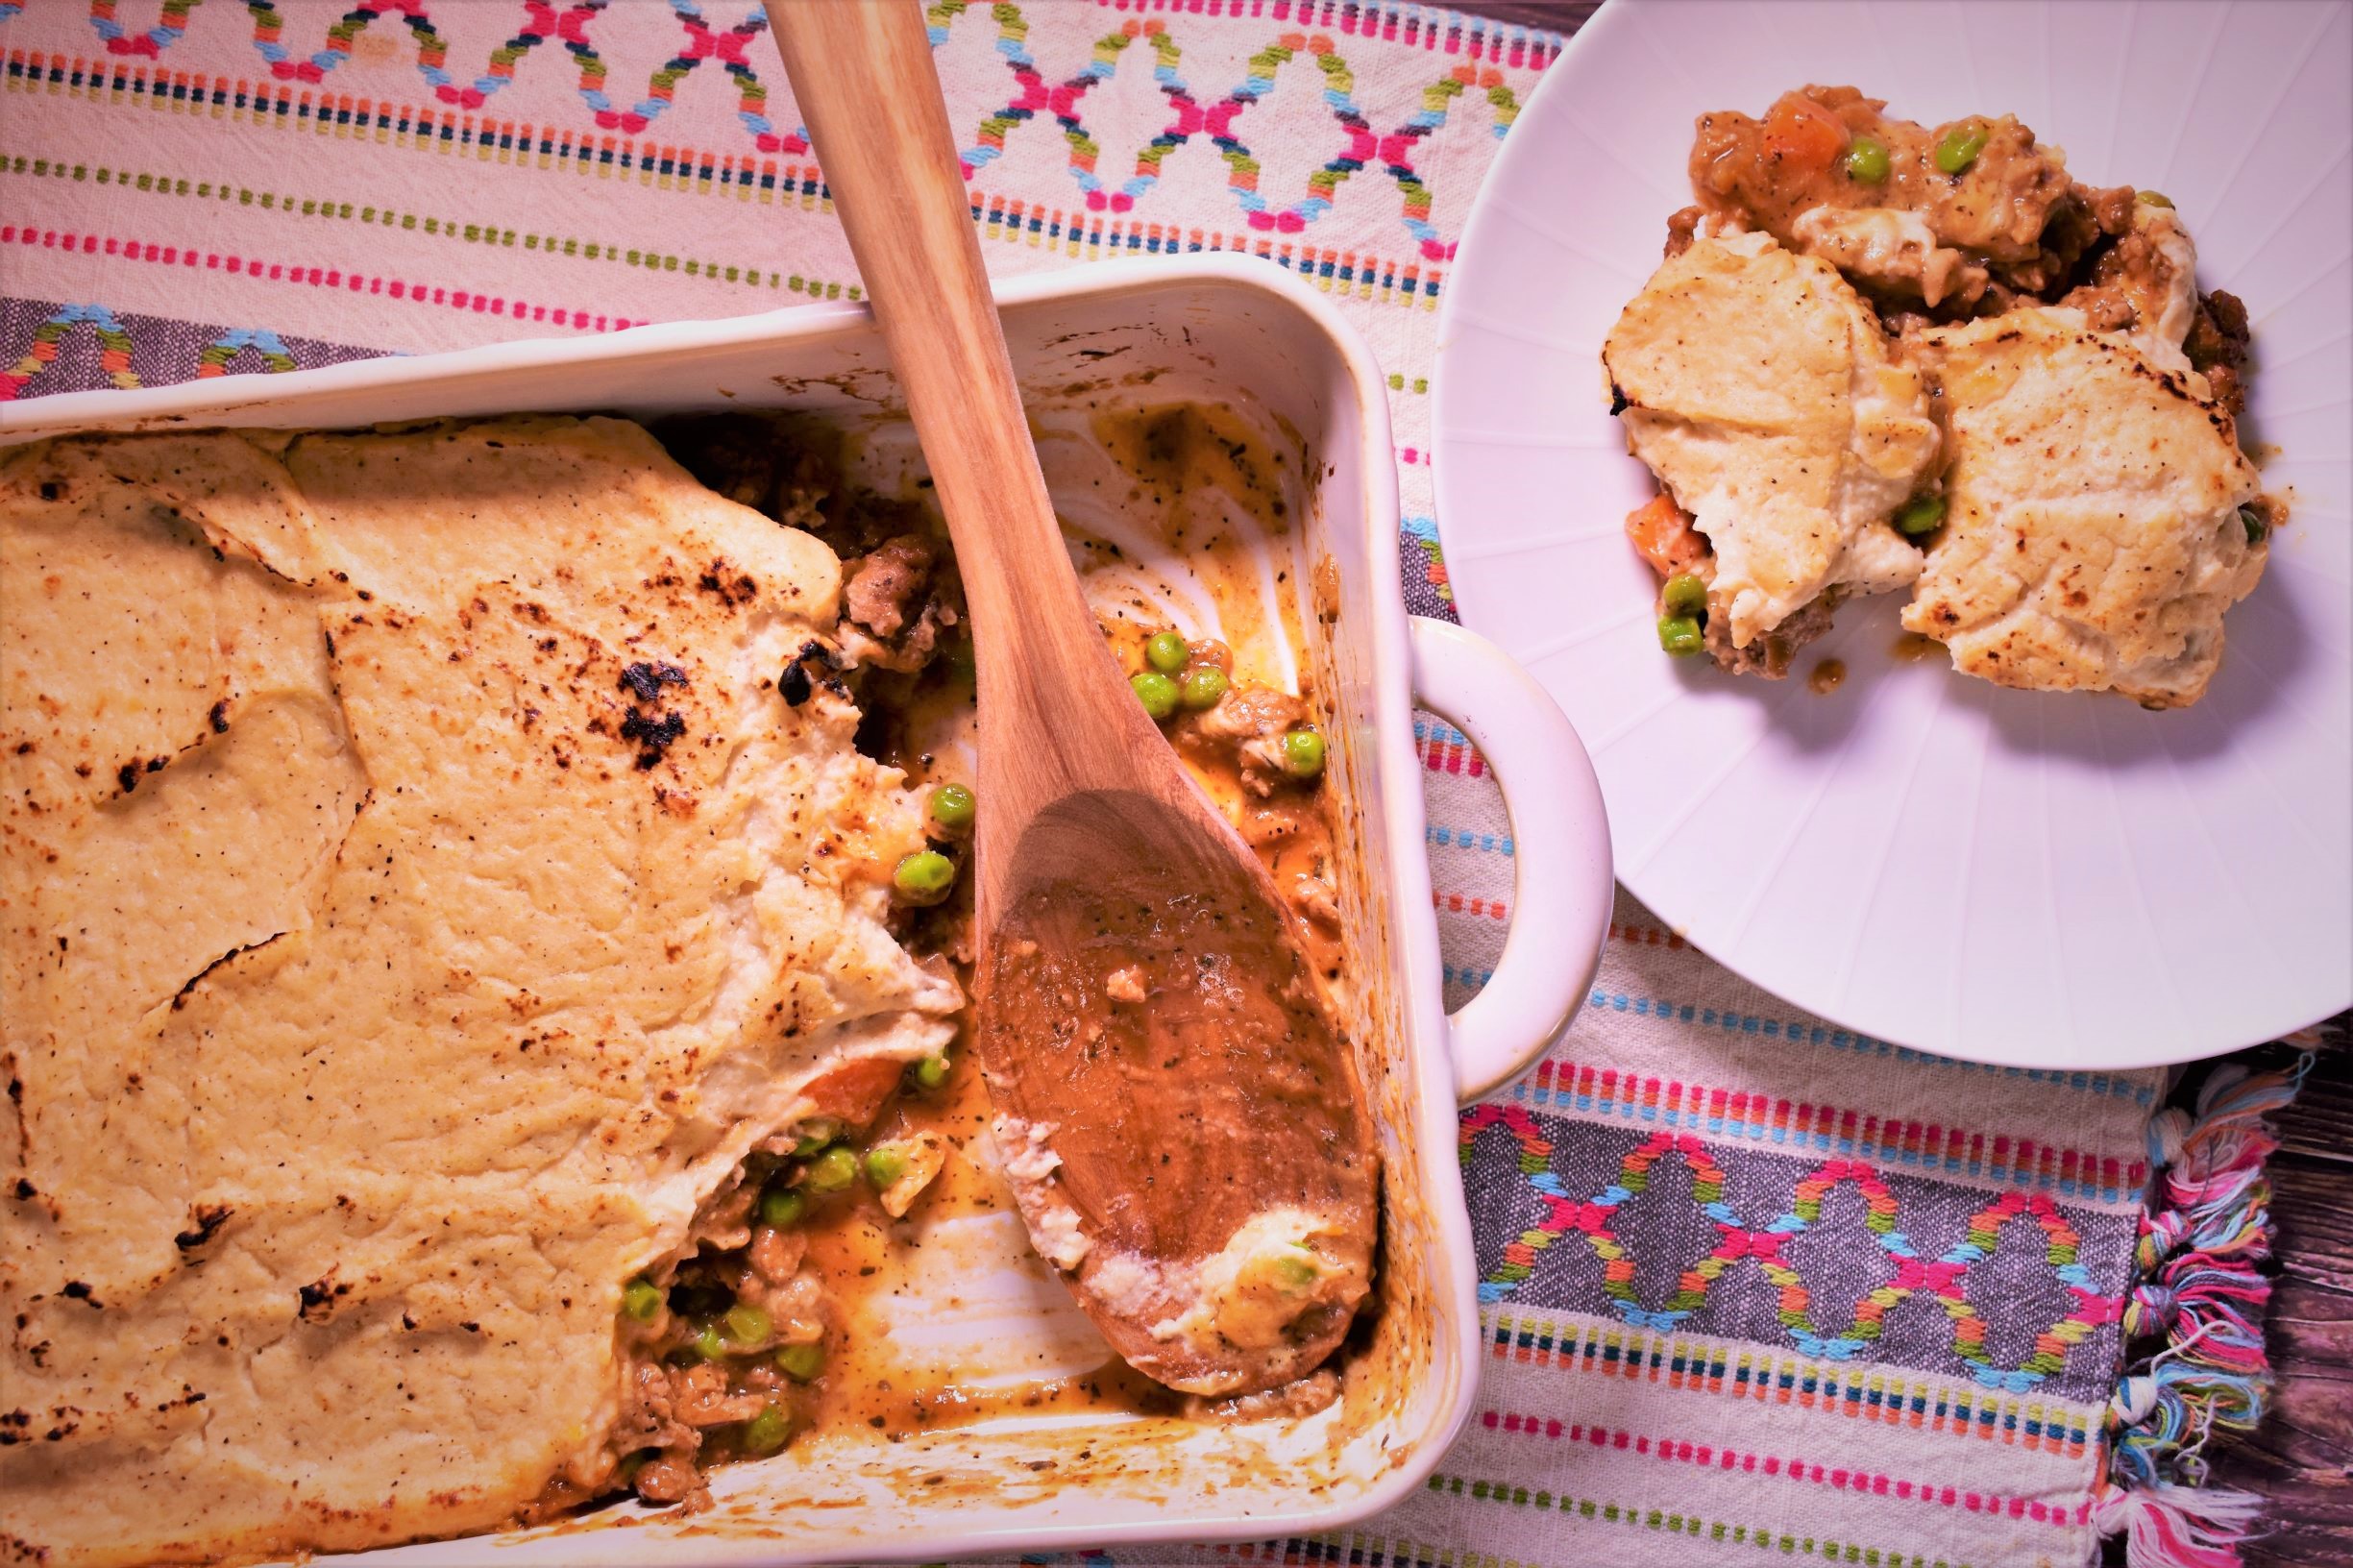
(1211, 328)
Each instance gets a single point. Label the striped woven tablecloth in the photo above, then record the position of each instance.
(1756, 1287)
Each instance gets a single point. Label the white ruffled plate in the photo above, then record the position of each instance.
(2031, 879)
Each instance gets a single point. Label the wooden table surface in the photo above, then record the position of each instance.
(2302, 1456)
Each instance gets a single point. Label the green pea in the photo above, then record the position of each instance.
(1295, 1273)
(1919, 515)
(1158, 693)
(931, 1072)
(2154, 198)
(924, 877)
(802, 1362)
(709, 1345)
(953, 807)
(1867, 161)
(2252, 521)
(766, 1432)
(1167, 652)
(641, 1299)
(832, 1171)
(885, 1165)
(1958, 147)
(1685, 595)
(746, 1324)
(1204, 685)
(1303, 752)
(1679, 635)
(815, 1134)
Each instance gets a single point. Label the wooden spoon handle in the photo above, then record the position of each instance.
(862, 76)
(862, 73)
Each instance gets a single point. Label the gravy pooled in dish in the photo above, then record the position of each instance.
(485, 972)
(1881, 355)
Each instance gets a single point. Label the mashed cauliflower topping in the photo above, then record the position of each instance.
(1761, 391)
(1280, 1265)
(2093, 537)
(420, 902)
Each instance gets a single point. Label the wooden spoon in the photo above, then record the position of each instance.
(1182, 1125)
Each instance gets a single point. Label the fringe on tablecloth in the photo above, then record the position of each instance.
(2195, 1317)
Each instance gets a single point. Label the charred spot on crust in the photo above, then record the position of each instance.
(26, 1192)
(645, 679)
(77, 1291)
(128, 776)
(1619, 401)
(319, 1296)
(732, 586)
(210, 1219)
(654, 737)
(218, 717)
(794, 683)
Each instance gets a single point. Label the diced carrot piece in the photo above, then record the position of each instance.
(1802, 134)
(1664, 533)
(852, 1092)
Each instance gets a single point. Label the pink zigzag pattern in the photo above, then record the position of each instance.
(1213, 120)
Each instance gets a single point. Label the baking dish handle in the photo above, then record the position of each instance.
(1560, 852)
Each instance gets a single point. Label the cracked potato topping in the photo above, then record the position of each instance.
(2092, 538)
(416, 901)
(1759, 390)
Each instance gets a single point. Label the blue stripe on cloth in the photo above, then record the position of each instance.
(1463, 838)
(2140, 1093)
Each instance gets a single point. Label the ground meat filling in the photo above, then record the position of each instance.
(2012, 214)
(896, 604)
(1771, 655)
(2010, 226)
(2216, 347)
(719, 1346)
(901, 598)
(1662, 533)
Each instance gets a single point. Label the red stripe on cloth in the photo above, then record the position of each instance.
(1453, 903)
(2015, 1427)
(312, 277)
(1646, 936)
(1450, 757)
(1682, 1451)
